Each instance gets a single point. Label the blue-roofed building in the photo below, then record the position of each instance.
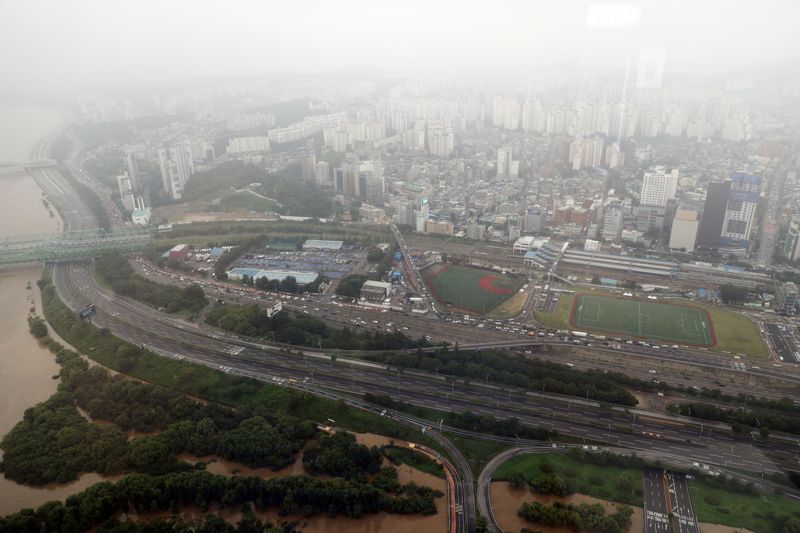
(217, 251)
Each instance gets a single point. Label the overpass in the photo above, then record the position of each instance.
(16, 166)
(73, 245)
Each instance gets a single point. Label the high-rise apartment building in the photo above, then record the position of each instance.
(308, 165)
(132, 168)
(175, 163)
(440, 137)
(247, 145)
(659, 185)
(322, 173)
(505, 113)
(504, 162)
(126, 192)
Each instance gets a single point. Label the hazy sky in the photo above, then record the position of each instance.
(95, 44)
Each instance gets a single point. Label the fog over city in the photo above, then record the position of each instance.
(361, 266)
(51, 46)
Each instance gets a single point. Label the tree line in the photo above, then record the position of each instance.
(292, 495)
(301, 329)
(578, 518)
(518, 371)
(54, 443)
(741, 421)
(118, 273)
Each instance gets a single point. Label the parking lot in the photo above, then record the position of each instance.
(548, 302)
(783, 343)
(331, 264)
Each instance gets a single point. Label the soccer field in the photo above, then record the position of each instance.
(470, 289)
(644, 319)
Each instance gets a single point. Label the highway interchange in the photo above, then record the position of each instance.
(634, 429)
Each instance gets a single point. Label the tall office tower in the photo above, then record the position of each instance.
(533, 221)
(440, 138)
(504, 162)
(349, 176)
(126, 192)
(176, 168)
(713, 218)
(791, 249)
(741, 209)
(613, 219)
(404, 214)
(132, 167)
(308, 163)
(322, 173)
(338, 179)
(372, 169)
(374, 190)
(659, 185)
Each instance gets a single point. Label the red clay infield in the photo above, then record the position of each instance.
(487, 284)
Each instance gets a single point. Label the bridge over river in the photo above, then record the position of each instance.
(14, 166)
(72, 245)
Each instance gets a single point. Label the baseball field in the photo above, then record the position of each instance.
(645, 319)
(470, 289)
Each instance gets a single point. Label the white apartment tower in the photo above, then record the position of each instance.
(175, 163)
(126, 192)
(504, 162)
(659, 186)
(322, 173)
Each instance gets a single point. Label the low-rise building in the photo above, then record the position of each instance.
(375, 291)
(684, 230)
(141, 217)
(179, 252)
(316, 245)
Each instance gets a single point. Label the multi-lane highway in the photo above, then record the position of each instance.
(637, 428)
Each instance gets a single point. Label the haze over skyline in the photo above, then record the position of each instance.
(92, 45)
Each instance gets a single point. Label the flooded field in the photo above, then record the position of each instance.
(506, 501)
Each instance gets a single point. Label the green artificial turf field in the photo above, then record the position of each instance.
(644, 319)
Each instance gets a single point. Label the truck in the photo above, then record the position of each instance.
(579, 334)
